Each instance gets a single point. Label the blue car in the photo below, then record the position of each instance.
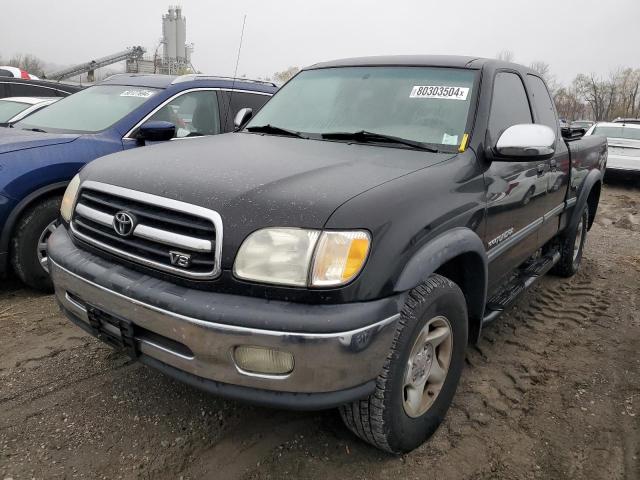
(40, 154)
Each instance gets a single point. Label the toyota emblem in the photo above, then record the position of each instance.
(124, 223)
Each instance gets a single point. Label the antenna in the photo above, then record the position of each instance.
(235, 72)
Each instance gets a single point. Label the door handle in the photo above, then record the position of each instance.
(541, 169)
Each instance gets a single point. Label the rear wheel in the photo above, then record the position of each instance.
(421, 373)
(572, 246)
(29, 243)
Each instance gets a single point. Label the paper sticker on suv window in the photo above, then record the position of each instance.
(137, 93)
(432, 91)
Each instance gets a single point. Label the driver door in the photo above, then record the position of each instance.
(194, 113)
(515, 188)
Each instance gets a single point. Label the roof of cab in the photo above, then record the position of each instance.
(452, 61)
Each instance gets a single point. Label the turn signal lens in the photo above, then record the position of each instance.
(266, 361)
(69, 198)
(339, 257)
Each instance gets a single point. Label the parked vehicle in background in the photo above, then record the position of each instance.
(635, 121)
(341, 249)
(623, 145)
(13, 109)
(13, 72)
(42, 152)
(16, 87)
(585, 124)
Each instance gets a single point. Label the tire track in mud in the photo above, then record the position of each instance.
(511, 360)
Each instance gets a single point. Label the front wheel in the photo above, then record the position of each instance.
(421, 373)
(29, 243)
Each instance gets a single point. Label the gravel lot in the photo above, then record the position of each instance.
(550, 392)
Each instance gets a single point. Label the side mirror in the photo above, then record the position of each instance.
(526, 142)
(242, 117)
(156, 131)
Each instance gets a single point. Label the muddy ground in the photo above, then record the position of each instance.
(552, 391)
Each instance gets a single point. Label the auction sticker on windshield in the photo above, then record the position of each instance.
(432, 91)
(137, 93)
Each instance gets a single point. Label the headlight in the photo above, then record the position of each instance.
(287, 255)
(66, 208)
(277, 255)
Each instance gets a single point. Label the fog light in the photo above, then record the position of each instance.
(261, 360)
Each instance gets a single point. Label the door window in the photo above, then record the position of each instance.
(545, 113)
(235, 101)
(509, 105)
(194, 114)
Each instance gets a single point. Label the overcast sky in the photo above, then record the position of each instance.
(573, 36)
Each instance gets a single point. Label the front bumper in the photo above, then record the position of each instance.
(191, 334)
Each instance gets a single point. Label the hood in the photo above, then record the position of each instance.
(623, 142)
(14, 139)
(255, 181)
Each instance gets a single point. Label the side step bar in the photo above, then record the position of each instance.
(522, 280)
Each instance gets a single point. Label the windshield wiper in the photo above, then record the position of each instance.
(35, 130)
(367, 136)
(275, 130)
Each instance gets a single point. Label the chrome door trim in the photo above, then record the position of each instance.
(179, 94)
(554, 211)
(515, 238)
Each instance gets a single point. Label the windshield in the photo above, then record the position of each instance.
(89, 111)
(9, 109)
(618, 132)
(423, 104)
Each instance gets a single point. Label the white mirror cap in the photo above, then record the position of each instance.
(241, 117)
(527, 140)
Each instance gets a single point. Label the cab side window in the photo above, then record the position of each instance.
(545, 112)
(194, 114)
(509, 105)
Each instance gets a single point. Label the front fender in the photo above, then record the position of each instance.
(440, 250)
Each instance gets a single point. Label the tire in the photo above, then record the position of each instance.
(385, 419)
(571, 247)
(35, 225)
(528, 196)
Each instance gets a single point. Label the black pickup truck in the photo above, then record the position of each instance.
(343, 247)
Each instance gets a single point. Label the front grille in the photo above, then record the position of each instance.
(157, 232)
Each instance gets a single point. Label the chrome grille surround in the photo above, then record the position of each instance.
(94, 226)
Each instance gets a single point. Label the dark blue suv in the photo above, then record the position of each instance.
(40, 154)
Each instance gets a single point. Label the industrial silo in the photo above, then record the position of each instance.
(169, 33)
(181, 34)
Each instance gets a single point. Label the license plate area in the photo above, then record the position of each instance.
(117, 332)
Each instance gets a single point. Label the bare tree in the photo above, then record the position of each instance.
(544, 69)
(28, 62)
(285, 75)
(505, 55)
(569, 104)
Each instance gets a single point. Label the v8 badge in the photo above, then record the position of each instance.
(179, 259)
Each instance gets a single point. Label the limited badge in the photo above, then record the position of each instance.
(442, 92)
